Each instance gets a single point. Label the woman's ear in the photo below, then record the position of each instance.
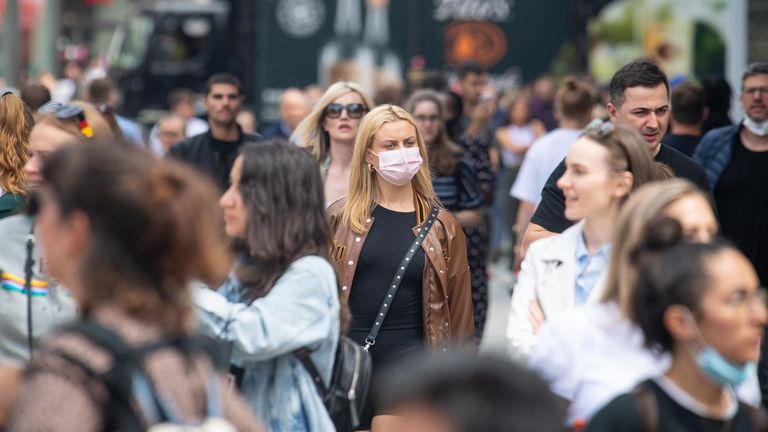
(680, 323)
(624, 186)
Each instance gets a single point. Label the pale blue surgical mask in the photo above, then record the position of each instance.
(722, 371)
(716, 367)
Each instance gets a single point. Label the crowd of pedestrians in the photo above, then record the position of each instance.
(200, 273)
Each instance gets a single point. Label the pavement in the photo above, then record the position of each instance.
(500, 283)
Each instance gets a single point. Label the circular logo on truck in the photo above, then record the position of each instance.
(300, 18)
(481, 42)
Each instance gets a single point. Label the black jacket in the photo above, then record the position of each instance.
(199, 152)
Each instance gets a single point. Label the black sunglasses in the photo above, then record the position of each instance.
(354, 110)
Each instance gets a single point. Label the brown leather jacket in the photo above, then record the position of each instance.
(446, 285)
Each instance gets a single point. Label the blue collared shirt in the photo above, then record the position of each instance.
(589, 268)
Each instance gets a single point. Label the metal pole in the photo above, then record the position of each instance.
(12, 42)
(736, 51)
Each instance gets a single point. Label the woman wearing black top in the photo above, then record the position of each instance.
(700, 303)
(390, 200)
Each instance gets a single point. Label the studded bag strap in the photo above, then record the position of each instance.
(395, 284)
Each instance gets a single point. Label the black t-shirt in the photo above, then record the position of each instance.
(389, 238)
(550, 214)
(685, 144)
(224, 155)
(742, 205)
(623, 415)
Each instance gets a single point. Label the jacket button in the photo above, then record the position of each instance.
(431, 249)
(351, 262)
(344, 288)
(445, 324)
(357, 239)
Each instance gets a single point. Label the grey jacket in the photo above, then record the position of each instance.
(51, 304)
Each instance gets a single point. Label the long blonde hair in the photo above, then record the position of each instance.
(15, 126)
(310, 134)
(643, 208)
(362, 181)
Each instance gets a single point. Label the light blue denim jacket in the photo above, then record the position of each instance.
(301, 310)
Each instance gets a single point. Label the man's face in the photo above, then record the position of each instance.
(223, 103)
(472, 85)
(754, 97)
(170, 131)
(293, 109)
(646, 110)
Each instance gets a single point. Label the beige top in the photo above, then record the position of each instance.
(58, 395)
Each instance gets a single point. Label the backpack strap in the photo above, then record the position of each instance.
(303, 356)
(119, 379)
(647, 407)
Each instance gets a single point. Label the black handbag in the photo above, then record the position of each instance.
(345, 397)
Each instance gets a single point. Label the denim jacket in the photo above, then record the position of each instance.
(301, 310)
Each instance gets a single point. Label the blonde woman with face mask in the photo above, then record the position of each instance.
(400, 258)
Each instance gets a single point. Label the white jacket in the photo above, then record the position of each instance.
(548, 274)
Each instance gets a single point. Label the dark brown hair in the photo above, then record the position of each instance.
(444, 154)
(688, 103)
(154, 226)
(283, 195)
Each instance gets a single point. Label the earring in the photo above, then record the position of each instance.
(370, 168)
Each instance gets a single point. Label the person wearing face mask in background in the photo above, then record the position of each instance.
(390, 204)
(698, 302)
(592, 354)
(735, 159)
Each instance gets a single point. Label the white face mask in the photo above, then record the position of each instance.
(759, 129)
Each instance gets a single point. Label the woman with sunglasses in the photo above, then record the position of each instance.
(698, 303)
(15, 125)
(127, 234)
(602, 168)
(422, 290)
(329, 131)
(592, 354)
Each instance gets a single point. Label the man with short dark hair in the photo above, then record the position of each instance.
(735, 159)
(639, 100)
(214, 152)
(689, 109)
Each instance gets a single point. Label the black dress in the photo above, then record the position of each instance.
(402, 332)
(478, 152)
